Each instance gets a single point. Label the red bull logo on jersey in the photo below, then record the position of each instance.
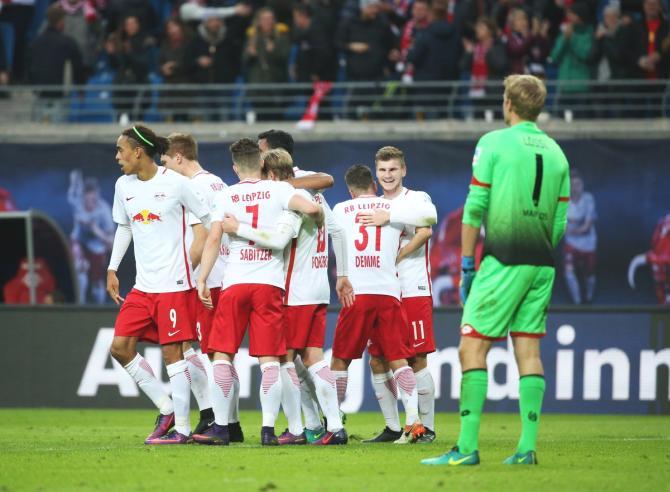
(146, 217)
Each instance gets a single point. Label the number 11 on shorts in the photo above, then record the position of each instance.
(416, 336)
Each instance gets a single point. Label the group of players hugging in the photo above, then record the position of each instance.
(214, 262)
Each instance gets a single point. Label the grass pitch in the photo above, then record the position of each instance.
(102, 450)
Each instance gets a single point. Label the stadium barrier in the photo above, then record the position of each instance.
(597, 360)
(101, 101)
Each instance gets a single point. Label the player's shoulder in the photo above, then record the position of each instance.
(416, 195)
(170, 176)
(304, 193)
(493, 136)
(207, 177)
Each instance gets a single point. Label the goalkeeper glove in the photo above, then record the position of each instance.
(467, 276)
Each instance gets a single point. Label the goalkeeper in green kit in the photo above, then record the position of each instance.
(520, 191)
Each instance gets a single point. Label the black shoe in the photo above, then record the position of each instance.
(427, 438)
(235, 432)
(387, 435)
(206, 421)
(268, 437)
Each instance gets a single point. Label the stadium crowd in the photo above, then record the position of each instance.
(320, 41)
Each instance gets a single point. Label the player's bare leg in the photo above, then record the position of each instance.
(199, 385)
(386, 392)
(406, 383)
(531, 394)
(325, 387)
(290, 401)
(124, 351)
(425, 387)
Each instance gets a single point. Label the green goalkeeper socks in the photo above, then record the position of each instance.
(531, 393)
(473, 394)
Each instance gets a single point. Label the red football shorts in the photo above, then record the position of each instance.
(305, 326)
(204, 318)
(419, 311)
(582, 261)
(377, 318)
(157, 317)
(258, 306)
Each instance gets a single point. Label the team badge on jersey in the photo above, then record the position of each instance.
(160, 196)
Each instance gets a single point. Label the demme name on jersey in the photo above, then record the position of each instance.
(368, 261)
(252, 254)
(251, 197)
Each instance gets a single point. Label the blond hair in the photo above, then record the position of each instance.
(527, 94)
(279, 162)
(388, 153)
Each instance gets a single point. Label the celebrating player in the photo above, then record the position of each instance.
(521, 185)
(150, 208)
(417, 302)
(376, 313)
(182, 157)
(251, 291)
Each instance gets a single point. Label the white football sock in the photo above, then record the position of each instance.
(406, 382)
(234, 415)
(386, 392)
(341, 380)
(425, 388)
(290, 397)
(270, 393)
(324, 382)
(310, 408)
(140, 370)
(221, 390)
(199, 380)
(180, 381)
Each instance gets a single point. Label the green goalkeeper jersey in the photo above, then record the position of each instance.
(520, 189)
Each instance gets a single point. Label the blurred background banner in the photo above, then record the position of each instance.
(598, 360)
(618, 244)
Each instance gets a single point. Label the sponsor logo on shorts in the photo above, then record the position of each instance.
(419, 344)
(467, 330)
(173, 333)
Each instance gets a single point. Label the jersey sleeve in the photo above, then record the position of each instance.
(561, 214)
(118, 211)
(193, 220)
(477, 202)
(285, 193)
(193, 199)
(291, 220)
(221, 205)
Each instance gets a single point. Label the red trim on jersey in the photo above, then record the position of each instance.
(563, 198)
(430, 283)
(289, 271)
(250, 181)
(476, 182)
(183, 243)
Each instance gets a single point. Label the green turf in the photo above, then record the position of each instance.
(93, 449)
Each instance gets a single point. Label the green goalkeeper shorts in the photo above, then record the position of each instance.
(508, 299)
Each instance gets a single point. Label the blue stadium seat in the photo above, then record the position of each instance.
(96, 105)
(152, 114)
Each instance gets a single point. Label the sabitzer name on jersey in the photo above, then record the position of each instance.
(250, 254)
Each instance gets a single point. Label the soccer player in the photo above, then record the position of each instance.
(417, 302)
(252, 289)
(150, 207)
(520, 188)
(376, 313)
(306, 297)
(182, 157)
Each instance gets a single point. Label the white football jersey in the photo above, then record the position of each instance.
(414, 270)
(210, 185)
(259, 204)
(306, 259)
(372, 250)
(156, 211)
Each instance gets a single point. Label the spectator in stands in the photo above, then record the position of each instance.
(4, 66)
(173, 69)
(652, 62)
(129, 50)
(118, 10)
(611, 58)
(315, 59)
(370, 47)
(265, 60)
(579, 251)
(83, 24)
(527, 49)
(485, 59)
(17, 290)
(419, 21)
(571, 54)
(19, 14)
(47, 58)
(214, 56)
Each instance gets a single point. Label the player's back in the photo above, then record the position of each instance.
(306, 261)
(526, 171)
(372, 250)
(259, 204)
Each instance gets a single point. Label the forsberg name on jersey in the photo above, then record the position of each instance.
(320, 261)
(251, 197)
(251, 254)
